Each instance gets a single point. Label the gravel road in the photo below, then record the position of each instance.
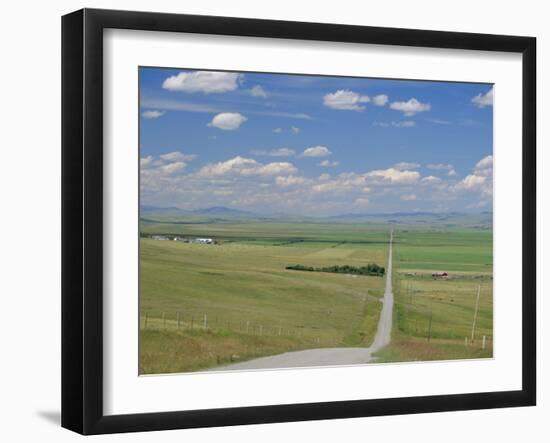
(332, 356)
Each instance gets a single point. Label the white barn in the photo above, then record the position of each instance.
(204, 241)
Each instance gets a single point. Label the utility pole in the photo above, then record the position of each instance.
(475, 313)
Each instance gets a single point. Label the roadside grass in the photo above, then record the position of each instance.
(408, 348)
(169, 351)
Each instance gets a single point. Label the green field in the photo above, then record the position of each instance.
(253, 305)
(434, 316)
(203, 306)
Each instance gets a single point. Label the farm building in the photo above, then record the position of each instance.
(440, 275)
(159, 237)
(204, 241)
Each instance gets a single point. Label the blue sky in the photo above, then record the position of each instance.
(313, 144)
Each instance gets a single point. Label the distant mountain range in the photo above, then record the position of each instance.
(394, 214)
(221, 212)
(214, 210)
(144, 209)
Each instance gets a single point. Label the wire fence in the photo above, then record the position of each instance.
(185, 321)
(195, 321)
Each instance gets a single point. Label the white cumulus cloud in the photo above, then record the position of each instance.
(228, 121)
(287, 181)
(410, 107)
(485, 165)
(203, 81)
(473, 182)
(258, 91)
(482, 100)
(146, 161)
(431, 179)
(329, 164)
(316, 151)
(480, 180)
(170, 168)
(380, 100)
(393, 176)
(345, 100)
(177, 156)
(247, 167)
(152, 113)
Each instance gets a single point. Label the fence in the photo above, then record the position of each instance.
(185, 321)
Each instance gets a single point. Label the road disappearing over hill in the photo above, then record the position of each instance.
(332, 356)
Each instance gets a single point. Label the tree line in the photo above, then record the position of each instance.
(370, 269)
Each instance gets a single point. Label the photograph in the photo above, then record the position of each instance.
(294, 220)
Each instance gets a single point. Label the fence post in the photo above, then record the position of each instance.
(430, 321)
(475, 313)
(466, 341)
(247, 326)
(483, 342)
(205, 321)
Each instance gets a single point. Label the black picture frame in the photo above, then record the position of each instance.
(82, 220)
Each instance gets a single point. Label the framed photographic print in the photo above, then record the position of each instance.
(270, 221)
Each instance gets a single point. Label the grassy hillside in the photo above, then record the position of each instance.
(253, 305)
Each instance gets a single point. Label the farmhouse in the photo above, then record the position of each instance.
(204, 241)
(440, 275)
(159, 237)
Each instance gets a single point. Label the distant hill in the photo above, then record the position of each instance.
(146, 209)
(479, 220)
(223, 211)
(384, 215)
(221, 214)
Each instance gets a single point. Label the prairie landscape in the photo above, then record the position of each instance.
(209, 305)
